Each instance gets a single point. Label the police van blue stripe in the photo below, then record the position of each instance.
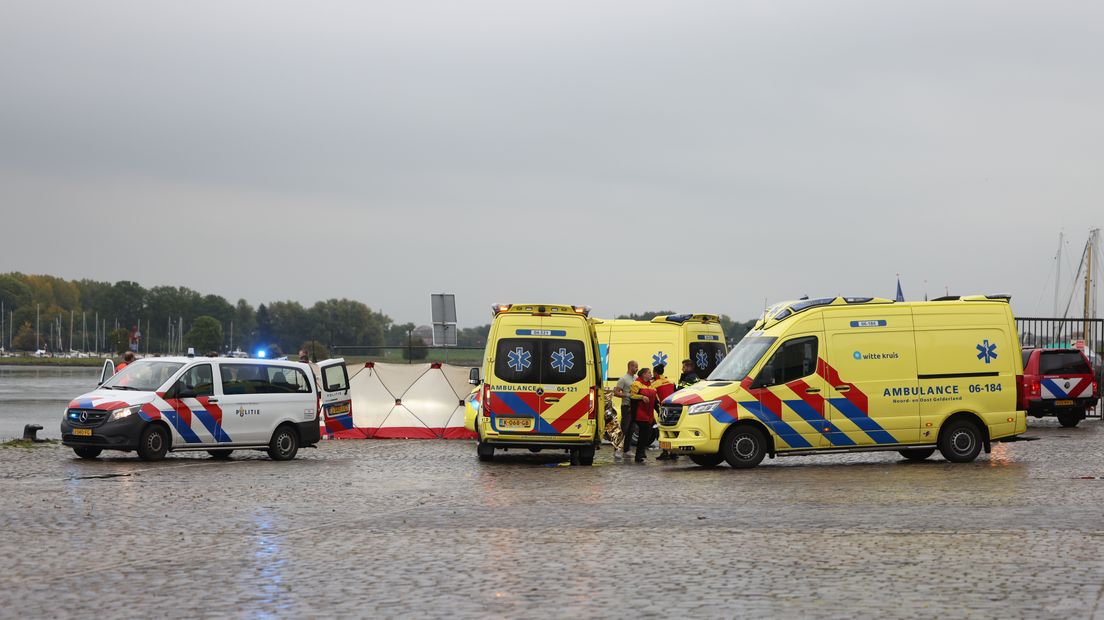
(212, 427)
(185, 431)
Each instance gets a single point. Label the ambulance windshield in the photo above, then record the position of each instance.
(742, 358)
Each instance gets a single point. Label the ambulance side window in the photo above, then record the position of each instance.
(793, 360)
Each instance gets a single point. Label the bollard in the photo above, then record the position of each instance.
(30, 432)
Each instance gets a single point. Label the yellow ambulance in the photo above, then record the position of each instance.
(665, 340)
(849, 374)
(539, 385)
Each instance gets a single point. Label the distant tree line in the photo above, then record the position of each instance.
(734, 330)
(167, 316)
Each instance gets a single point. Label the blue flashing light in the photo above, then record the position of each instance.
(261, 353)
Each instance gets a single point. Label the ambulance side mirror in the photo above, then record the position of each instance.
(475, 376)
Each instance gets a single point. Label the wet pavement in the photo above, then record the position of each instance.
(393, 528)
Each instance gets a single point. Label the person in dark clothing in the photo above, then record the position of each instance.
(688, 377)
(643, 398)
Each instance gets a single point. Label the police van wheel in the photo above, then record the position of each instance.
(743, 447)
(154, 443)
(917, 454)
(87, 453)
(485, 452)
(960, 441)
(707, 460)
(586, 455)
(284, 444)
(1069, 419)
(220, 455)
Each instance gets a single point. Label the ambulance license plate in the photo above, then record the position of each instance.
(664, 445)
(516, 423)
(82, 432)
(1063, 403)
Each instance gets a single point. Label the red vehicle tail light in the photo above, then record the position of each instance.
(591, 413)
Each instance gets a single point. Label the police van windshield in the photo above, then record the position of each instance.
(540, 360)
(143, 375)
(742, 358)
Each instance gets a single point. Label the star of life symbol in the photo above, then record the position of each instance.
(987, 352)
(703, 359)
(562, 360)
(519, 359)
(659, 359)
(720, 356)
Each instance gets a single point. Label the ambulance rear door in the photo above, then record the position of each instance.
(566, 395)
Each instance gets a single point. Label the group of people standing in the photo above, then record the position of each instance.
(641, 391)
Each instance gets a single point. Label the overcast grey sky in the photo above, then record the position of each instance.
(700, 156)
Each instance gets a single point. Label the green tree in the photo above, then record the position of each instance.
(417, 349)
(396, 334)
(120, 339)
(262, 333)
(646, 316)
(315, 350)
(24, 339)
(473, 336)
(245, 324)
(205, 335)
(14, 291)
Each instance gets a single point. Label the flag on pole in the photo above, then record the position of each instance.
(900, 295)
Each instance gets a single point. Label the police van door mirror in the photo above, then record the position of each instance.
(475, 376)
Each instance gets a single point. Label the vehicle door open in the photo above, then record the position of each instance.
(107, 372)
(334, 402)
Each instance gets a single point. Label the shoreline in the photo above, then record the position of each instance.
(55, 362)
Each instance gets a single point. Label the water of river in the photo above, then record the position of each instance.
(37, 395)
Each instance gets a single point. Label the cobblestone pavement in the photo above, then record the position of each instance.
(392, 528)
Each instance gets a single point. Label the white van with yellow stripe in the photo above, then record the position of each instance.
(847, 374)
(539, 384)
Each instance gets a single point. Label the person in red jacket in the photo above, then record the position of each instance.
(663, 388)
(644, 398)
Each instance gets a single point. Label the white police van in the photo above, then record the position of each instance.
(155, 405)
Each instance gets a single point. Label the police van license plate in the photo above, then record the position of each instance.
(82, 432)
(340, 409)
(1063, 403)
(523, 424)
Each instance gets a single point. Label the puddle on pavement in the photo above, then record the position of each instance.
(100, 476)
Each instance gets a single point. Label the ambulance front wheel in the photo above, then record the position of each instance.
(743, 447)
(154, 443)
(707, 460)
(960, 441)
